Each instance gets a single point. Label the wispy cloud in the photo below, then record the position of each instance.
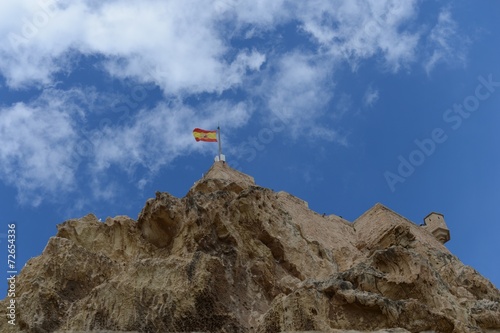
(344, 104)
(38, 141)
(157, 136)
(355, 30)
(445, 43)
(47, 151)
(298, 90)
(370, 97)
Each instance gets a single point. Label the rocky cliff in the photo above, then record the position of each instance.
(235, 257)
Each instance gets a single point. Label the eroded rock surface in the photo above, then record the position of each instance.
(235, 257)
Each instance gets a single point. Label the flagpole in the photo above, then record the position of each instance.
(220, 143)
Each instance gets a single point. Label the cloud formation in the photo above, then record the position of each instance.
(190, 42)
(445, 43)
(188, 49)
(38, 140)
(356, 30)
(370, 97)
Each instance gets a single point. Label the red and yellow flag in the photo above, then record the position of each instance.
(204, 135)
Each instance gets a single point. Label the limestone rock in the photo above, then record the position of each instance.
(235, 257)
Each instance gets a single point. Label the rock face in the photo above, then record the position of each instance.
(235, 257)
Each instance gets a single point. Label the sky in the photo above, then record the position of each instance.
(341, 103)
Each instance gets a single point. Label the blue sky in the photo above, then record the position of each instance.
(341, 103)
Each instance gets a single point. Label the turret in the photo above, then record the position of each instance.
(435, 224)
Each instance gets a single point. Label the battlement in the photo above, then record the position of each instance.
(435, 224)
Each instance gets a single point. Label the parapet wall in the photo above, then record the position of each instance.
(379, 222)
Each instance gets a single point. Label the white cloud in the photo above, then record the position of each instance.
(179, 39)
(356, 30)
(46, 147)
(343, 105)
(444, 42)
(155, 137)
(298, 92)
(370, 97)
(36, 153)
(189, 42)
(187, 48)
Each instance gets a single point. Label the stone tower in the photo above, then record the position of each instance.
(435, 224)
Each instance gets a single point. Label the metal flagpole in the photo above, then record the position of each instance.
(220, 143)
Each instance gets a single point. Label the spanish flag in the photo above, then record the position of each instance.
(204, 135)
